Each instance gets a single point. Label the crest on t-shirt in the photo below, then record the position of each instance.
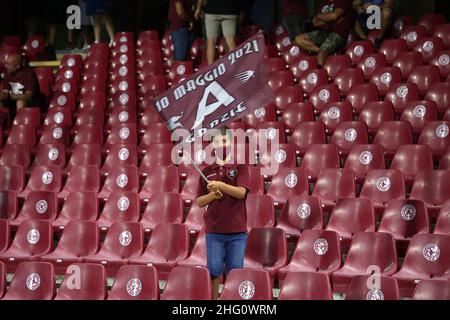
(232, 173)
(16, 87)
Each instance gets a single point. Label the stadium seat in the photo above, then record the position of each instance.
(55, 134)
(407, 62)
(243, 284)
(382, 186)
(4, 239)
(120, 207)
(424, 77)
(433, 187)
(194, 219)
(287, 94)
(302, 65)
(411, 159)
(78, 206)
(307, 134)
(274, 64)
(279, 79)
(334, 184)
(121, 115)
(8, 205)
(162, 207)
(419, 113)
(428, 47)
(45, 78)
(32, 281)
(22, 134)
(260, 211)
(124, 241)
(11, 178)
(359, 290)
(334, 64)
(120, 179)
(385, 77)
(441, 60)
(292, 53)
(160, 179)
(413, 34)
(155, 133)
(79, 239)
(440, 93)
(358, 50)
(284, 155)
(84, 155)
(188, 283)
(43, 178)
(198, 252)
(295, 113)
(50, 155)
(254, 179)
(318, 158)
(89, 134)
(430, 21)
(323, 94)
(392, 48)
(359, 95)
(61, 99)
(135, 283)
(169, 244)
(348, 78)
(402, 93)
(427, 257)
(264, 114)
(121, 134)
(371, 62)
(404, 219)
(444, 163)
(436, 136)
(39, 205)
(432, 290)
(16, 155)
(81, 179)
(288, 182)
(2, 279)
(334, 113)
(317, 251)
(311, 79)
(90, 286)
(30, 116)
(179, 71)
(33, 239)
(267, 250)
(89, 116)
(383, 255)
(306, 286)
(34, 47)
(375, 113)
(363, 158)
(392, 134)
(443, 31)
(348, 134)
(120, 155)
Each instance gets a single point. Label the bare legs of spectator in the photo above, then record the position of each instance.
(386, 20)
(51, 34)
(231, 43)
(109, 25)
(305, 42)
(211, 50)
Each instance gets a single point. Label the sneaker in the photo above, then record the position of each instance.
(86, 47)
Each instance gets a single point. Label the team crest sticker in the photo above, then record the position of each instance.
(66, 87)
(62, 100)
(428, 46)
(70, 62)
(134, 287)
(419, 111)
(370, 62)
(366, 158)
(57, 133)
(247, 290)
(33, 236)
(123, 71)
(123, 85)
(291, 180)
(286, 42)
(124, 154)
(280, 156)
(271, 134)
(303, 65)
(123, 39)
(383, 184)
(412, 36)
(351, 135)
(35, 44)
(324, 95)
(41, 206)
(123, 204)
(124, 98)
(402, 92)
(125, 238)
(431, 252)
(33, 282)
(122, 181)
(408, 212)
(304, 211)
(68, 74)
(124, 116)
(123, 48)
(124, 133)
(181, 70)
(334, 113)
(442, 131)
(58, 117)
(295, 51)
(53, 154)
(123, 59)
(386, 78)
(260, 113)
(321, 247)
(47, 177)
(375, 294)
(444, 60)
(312, 78)
(359, 50)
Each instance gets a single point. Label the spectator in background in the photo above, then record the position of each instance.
(180, 25)
(293, 17)
(55, 14)
(99, 10)
(85, 23)
(333, 22)
(387, 14)
(20, 85)
(221, 17)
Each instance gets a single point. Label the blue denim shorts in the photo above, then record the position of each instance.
(225, 250)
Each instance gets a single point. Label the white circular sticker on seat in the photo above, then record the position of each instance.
(304, 211)
(366, 158)
(246, 290)
(321, 247)
(66, 87)
(444, 60)
(68, 74)
(358, 50)
(71, 62)
(62, 100)
(295, 51)
(53, 154)
(370, 62)
(124, 98)
(324, 95)
(123, 85)
(123, 59)
(428, 46)
(57, 133)
(260, 113)
(375, 294)
(125, 238)
(412, 36)
(134, 287)
(334, 113)
(41, 206)
(122, 181)
(123, 71)
(35, 44)
(58, 117)
(124, 116)
(124, 133)
(419, 111)
(351, 135)
(312, 78)
(303, 65)
(280, 156)
(271, 133)
(442, 131)
(181, 70)
(286, 42)
(33, 236)
(123, 39)
(408, 212)
(383, 184)
(402, 91)
(47, 177)
(124, 48)
(123, 204)
(431, 252)
(124, 154)
(291, 180)
(386, 78)
(33, 282)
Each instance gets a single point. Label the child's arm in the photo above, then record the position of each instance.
(205, 200)
(235, 192)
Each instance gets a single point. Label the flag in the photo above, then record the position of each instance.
(226, 91)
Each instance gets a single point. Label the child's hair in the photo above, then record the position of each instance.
(224, 131)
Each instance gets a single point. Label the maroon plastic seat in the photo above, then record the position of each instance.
(16, 155)
(363, 158)
(120, 179)
(32, 281)
(81, 179)
(194, 219)
(404, 219)
(385, 77)
(392, 48)
(427, 258)
(278, 79)
(375, 113)
(359, 290)
(79, 239)
(11, 178)
(357, 50)
(55, 134)
(44, 178)
(318, 158)
(243, 284)
(120, 207)
(162, 208)
(50, 155)
(323, 94)
(121, 134)
(274, 64)
(358, 262)
(198, 254)
(392, 134)
(302, 65)
(89, 134)
(160, 179)
(433, 187)
(39, 205)
(124, 241)
(292, 53)
(84, 155)
(33, 239)
(284, 155)
(334, 64)
(348, 134)
(78, 206)
(444, 163)
(443, 31)
(382, 186)
(402, 93)
(260, 211)
(121, 115)
(253, 179)
(135, 283)
(89, 116)
(2, 279)
(317, 251)
(28, 117)
(407, 62)
(306, 286)
(179, 71)
(432, 290)
(152, 86)
(5, 237)
(288, 182)
(188, 283)
(436, 136)
(22, 134)
(307, 134)
(120, 155)
(371, 62)
(313, 78)
(359, 95)
(61, 99)
(428, 47)
(158, 154)
(266, 250)
(8, 205)
(413, 34)
(296, 113)
(348, 78)
(431, 20)
(419, 113)
(155, 133)
(334, 184)
(270, 132)
(411, 159)
(169, 244)
(441, 60)
(424, 77)
(440, 93)
(264, 114)
(334, 113)
(91, 281)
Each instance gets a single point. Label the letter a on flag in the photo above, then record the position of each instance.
(226, 91)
